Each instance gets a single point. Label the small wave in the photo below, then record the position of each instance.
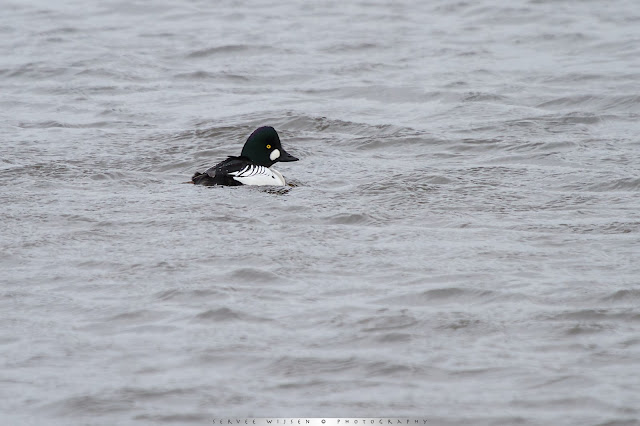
(52, 124)
(385, 368)
(304, 384)
(110, 74)
(596, 315)
(119, 400)
(624, 103)
(332, 131)
(586, 329)
(321, 124)
(36, 71)
(351, 47)
(212, 136)
(399, 139)
(585, 228)
(461, 323)
(558, 119)
(483, 97)
(477, 144)
(161, 34)
(394, 338)
(388, 322)
(114, 175)
(206, 75)
(91, 404)
(620, 228)
(572, 77)
(627, 296)
(359, 135)
(299, 366)
(181, 419)
(45, 171)
(219, 315)
(190, 295)
(351, 219)
(622, 184)
(225, 49)
(254, 275)
(418, 180)
(61, 30)
(136, 316)
(445, 295)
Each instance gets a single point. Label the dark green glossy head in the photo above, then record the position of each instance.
(263, 147)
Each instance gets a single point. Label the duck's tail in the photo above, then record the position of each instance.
(202, 179)
(193, 179)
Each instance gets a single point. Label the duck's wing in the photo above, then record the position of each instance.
(238, 171)
(245, 172)
(221, 173)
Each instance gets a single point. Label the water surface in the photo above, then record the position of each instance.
(461, 242)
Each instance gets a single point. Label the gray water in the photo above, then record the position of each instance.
(461, 240)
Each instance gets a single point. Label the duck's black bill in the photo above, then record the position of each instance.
(285, 156)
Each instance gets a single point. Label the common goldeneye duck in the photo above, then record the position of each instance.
(253, 167)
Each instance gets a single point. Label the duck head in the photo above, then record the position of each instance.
(263, 147)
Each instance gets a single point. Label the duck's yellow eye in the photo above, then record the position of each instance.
(268, 146)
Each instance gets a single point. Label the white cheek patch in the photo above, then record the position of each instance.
(274, 154)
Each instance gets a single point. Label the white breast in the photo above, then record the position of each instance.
(258, 175)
